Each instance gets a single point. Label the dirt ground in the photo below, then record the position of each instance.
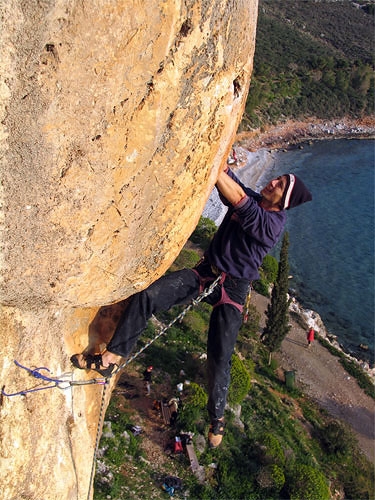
(323, 378)
(158, 437)
(317, 372)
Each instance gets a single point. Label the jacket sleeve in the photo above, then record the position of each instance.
(263, 226)
(247, 190)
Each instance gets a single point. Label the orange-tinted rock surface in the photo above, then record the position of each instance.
(116, 117)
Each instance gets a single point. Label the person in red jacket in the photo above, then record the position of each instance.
(310, 336)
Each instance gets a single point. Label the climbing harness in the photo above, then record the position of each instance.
(62, 382)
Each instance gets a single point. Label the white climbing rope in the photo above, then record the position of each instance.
(179, 317)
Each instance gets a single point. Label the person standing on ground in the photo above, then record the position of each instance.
(147, 376)
(252, 226)
(310, 336)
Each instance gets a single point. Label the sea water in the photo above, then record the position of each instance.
(331, 250)
(331, 239)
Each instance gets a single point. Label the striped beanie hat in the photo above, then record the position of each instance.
(295, 192)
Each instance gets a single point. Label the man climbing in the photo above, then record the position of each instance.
(252, 226)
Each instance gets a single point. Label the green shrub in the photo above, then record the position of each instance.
(337, 439)
(186, 259)
(204, 232)
(357, 477)
(240, 381)
(268, 274)
(194, 321)
(262, 287)
(190, 416)
(234, 479)
(308, 483)
(197, 396)
(271, 478)
(271, 450)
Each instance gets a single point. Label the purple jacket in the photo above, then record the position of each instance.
(246, 235)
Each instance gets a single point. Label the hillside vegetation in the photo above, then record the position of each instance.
(312, 59)
(282, 447)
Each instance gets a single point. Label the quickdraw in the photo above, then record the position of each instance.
(58, 382)
(62, 382)
(247, 305)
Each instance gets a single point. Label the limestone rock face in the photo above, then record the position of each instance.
(116, 117)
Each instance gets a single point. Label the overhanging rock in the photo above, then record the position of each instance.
(115, 119)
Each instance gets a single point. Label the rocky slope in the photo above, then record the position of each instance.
(290, 133)
(115, 119)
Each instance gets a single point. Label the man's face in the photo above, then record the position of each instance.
(274, 190)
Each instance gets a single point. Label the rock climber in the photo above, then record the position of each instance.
(252, 226)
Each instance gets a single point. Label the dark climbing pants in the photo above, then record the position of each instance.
(179, 288)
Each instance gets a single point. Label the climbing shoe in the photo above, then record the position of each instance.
(93, 362)
(215, 433)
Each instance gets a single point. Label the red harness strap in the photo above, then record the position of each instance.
(224, 299)
(204, 280)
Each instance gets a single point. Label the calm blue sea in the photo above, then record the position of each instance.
(331, 252)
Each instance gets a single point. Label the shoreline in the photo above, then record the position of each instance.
(254, 151)
(313, 320)
(293, 133)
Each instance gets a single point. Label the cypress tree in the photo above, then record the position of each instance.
(277, 324)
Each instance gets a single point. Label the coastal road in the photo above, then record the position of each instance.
(323, 378)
